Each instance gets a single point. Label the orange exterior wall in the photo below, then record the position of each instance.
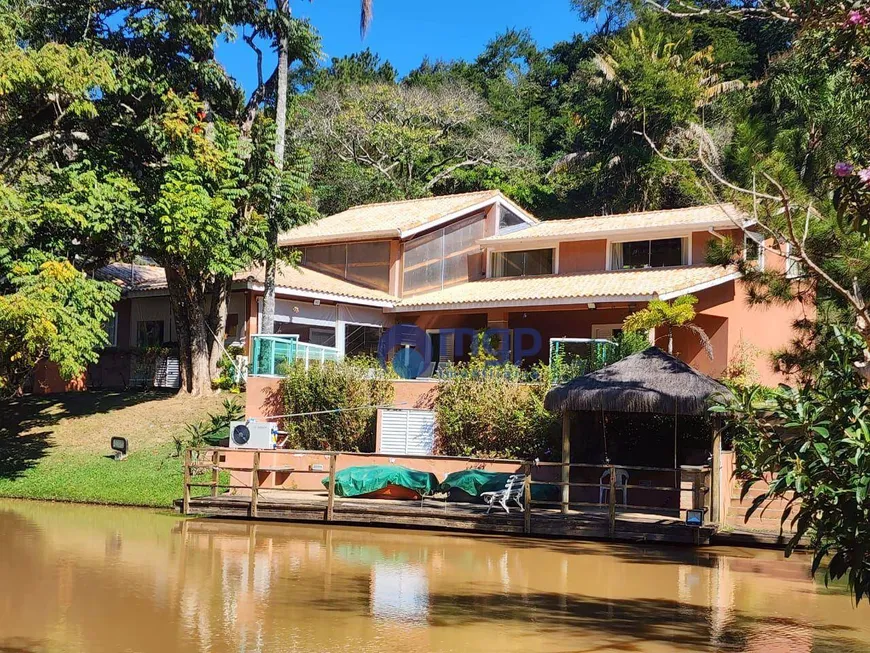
(726, 315)
(582, 256)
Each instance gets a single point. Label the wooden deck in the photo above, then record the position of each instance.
(435, 514)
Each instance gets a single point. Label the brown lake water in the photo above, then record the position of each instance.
(81, 578)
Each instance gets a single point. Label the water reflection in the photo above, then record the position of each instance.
(78, 578)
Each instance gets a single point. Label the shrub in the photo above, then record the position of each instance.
(487, 410)
(351, 388)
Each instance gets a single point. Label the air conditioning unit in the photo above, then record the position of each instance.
(252, 434)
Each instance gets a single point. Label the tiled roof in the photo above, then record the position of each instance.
(697, 217)
(151, 277)
(133, 277)
(386, 220)
(310, 281)
(627, 285)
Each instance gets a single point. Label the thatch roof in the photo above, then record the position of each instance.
(651, 381)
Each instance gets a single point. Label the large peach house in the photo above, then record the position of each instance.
(459, 264)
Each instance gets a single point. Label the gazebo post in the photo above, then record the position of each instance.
(716, 466)
(566, 460)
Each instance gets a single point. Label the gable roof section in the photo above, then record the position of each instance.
(305, 282)
(563, 289)
(395, 219)
(133, 277)
(717, 216)
(296, 282)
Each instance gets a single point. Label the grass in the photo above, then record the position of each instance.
(57, 447)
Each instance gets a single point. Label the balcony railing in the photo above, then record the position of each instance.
(271, 353)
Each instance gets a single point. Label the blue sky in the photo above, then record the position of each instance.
(404, 31)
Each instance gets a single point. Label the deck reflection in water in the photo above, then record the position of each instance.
(77, 578)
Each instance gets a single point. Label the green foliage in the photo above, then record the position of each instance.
(349, 391)
(814, 440)
(564, 366)
(227, 372)
(400, 141)
(212, 430)
(662, 314)
(55, 313)
(487, 410)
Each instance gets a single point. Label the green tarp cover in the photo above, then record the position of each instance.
(476, 481)
(354, 481)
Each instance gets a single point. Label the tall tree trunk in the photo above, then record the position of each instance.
(177, 299)
(217, 322)
(268, 320)
(190, 319)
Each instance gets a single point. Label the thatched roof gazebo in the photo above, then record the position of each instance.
(651, 381)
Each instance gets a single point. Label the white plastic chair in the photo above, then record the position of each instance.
(621, 482)
(513, 491)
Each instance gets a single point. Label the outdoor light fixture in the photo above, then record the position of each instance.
(694, 518)
(591, 306)
(119, 446)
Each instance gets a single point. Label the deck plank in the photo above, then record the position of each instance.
(433, 514)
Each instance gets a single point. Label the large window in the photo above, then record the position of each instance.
(661, 253)
(367, 264)
(360, 339)
(509, 221)
(444, 257)
(527, 263)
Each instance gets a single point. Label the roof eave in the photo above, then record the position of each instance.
(323, 296)
(496, 242)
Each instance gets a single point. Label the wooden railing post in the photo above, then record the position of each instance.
(527, 499)
(612, 502)
(215, 471)
(185, 501)
(330, 502)
(255, 484)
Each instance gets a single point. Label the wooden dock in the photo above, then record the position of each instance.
(433, 514)
(247, 497)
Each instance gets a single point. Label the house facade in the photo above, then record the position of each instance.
(455, 265)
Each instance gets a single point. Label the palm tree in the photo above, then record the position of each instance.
(678, 314)
(282, 10)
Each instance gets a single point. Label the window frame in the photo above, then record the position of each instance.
(758, 239)
(686, 242)
(113, 340)
(490, 262)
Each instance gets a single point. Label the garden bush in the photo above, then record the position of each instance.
(354, 385)
(496, 411)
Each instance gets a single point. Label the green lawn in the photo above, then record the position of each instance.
(57, 447)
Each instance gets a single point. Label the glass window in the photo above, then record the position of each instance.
(149, 333)
(444, 257)
(367, 264)
(361, 340)
(509, 221)
(232, 330)
(323, 336)
(522, 264)
(753, 249)
(111, 328)
(331, 259)
(666, 253)
(661, 253)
